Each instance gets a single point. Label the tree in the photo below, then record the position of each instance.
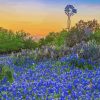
(88, 27)
(50, 37)
(69, 11)
(83, 31)
(41, 42)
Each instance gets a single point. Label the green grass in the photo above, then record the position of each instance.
(6, 72)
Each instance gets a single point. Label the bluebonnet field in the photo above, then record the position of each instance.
(61, 66)
(51, 80)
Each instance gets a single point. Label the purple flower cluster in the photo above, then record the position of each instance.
(49, 81)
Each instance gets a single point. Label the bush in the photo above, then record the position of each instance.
(96, 36)
(5, 71)
(30, 44)
(60, 39)
(82, 31)
(54, 39)
(75, 37)
(91, 51)
(88, 50)
(10, 41)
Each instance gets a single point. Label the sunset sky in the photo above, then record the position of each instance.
(42, 16)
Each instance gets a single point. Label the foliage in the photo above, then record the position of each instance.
(91, 51)
(75, 37)
(54, 39)
(41, 42)
(60, 39)
(88, 27)
(57, 64)
(83, 31)
(33, 66)
(80, 63)
(48, 40)
(30, 44)
(10, 41)
(96, 36)
(6, 72)
(50, 37)
(21, 60)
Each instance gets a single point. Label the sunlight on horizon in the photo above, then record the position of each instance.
(41, 18)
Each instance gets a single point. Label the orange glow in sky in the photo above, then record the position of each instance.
(40, 18)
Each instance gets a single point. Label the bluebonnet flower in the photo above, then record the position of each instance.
(45, 81)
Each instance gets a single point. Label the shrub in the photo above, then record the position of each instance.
(30, 44)
(5, 71)
(91, 51)
(54, 39)
(82, 31)
(88, 50)
(10, 41)
(60, 39)
(75, 37)
(96, 36)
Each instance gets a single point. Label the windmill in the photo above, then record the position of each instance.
(69, 11)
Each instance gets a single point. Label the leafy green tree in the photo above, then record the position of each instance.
(41, 42)
(50, 38)
(30, 44)
(60, 39)
(15, 41)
